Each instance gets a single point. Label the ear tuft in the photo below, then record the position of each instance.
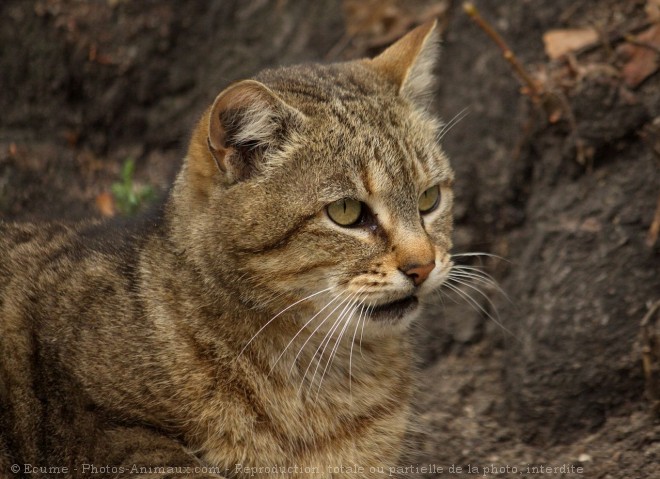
(409, 62)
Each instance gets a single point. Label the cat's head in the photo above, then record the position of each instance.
(324, 182)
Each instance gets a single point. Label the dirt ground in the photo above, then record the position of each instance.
(560, 180)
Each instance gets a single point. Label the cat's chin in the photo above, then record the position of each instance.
(394, 311)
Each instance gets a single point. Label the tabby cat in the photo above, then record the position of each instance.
(257, 326)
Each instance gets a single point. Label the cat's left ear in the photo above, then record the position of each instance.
(409, 62)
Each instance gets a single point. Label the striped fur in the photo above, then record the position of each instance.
(192, 338)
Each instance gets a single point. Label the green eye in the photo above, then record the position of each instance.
(345, 212)
(429, 199)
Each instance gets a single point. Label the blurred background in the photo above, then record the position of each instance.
(557, 177)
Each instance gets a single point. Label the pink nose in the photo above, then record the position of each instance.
(418, 273)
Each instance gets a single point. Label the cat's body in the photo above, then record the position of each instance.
(241, 327)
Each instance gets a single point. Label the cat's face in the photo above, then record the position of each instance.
(334, 190)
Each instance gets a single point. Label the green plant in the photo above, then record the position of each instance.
(130, 198)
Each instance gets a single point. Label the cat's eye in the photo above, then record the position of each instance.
(429, 199)
(345, 212)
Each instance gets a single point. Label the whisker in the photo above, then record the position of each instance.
(451, 124)
(302, 328)
(363, 323)
(479, 253)
(477, 307)
(350, 356)
(314, 358)
(473, 269)
(326, 338)
(334, 350)
(470, 300)
(472, 275)
(471, 286)
(476, 272)
(279, 314)
(325, 342)
(310, 337)
(476, 276)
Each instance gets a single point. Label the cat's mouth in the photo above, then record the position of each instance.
(394, 310)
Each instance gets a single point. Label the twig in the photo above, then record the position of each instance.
(535, 90)
(612, 38)
(538, 94)
(654, 230)
(632, 40)
(580, 147)
(339, 47)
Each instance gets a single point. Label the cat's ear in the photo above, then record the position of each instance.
(409, 62)
(245, 120)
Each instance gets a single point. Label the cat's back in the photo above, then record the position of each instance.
(28, 251)
(54, 274)
(32, 261)
(65, 291)
(28, 241)
(37, 256)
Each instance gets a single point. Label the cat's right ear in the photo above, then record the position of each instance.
(246, 119)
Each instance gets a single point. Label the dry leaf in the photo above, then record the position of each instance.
(377, 23)
(642, 57)
(653, 10)
(71, 137)
(591, 225)
(561, 42)
(654, 230)
(105, 203)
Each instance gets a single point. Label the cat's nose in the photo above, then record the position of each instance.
(418, 273)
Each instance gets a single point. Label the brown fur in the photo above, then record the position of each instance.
(185, 340)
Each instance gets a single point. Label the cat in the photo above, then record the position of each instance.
(256, 326)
